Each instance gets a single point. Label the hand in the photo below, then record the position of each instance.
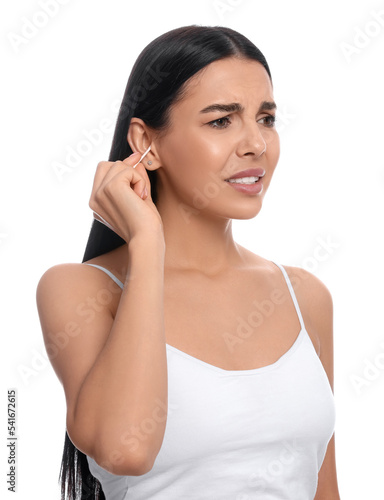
(119, 199)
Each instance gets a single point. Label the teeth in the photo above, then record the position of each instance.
(244, 180)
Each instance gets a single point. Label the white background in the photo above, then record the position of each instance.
(328, 185)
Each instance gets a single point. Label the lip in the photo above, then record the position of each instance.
(250, 172)
(255, 188)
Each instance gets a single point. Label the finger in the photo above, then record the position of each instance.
(103, 172)
(135, 180)
(119, 172)
(132, 159)
(118, 165)
(106, 169)
(144, 172)
(136, 165)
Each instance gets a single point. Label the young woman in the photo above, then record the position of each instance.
(194, 368)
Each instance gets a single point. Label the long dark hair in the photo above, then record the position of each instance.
(156, 82)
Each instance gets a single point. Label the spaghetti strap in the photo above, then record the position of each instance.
(117, 281)
(288, 281)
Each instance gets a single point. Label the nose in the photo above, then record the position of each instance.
(253, 142)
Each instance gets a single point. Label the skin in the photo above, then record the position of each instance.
(203, 264)
(201, 254)
(193, 154)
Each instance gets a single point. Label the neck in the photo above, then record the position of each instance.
(198, 241)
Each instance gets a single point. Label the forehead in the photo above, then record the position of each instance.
(231, 78)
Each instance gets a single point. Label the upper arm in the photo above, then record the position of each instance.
(317, 301)
(74, 323)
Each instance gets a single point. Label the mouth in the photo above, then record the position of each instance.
(243, 180)
(247, 177)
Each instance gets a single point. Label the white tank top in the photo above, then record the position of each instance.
(237, 434)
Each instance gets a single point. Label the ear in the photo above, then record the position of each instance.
(140, 137)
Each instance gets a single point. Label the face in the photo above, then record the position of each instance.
(223, 125)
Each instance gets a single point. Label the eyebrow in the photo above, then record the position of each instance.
(237, 107)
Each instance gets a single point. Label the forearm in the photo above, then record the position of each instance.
(127, 386)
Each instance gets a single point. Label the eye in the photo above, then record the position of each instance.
(220, 122)
(271, 120)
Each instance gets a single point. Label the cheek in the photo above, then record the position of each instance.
(192, 154)
(210, 151)
(271, 138)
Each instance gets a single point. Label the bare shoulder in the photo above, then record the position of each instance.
(75, 304)
(61, 275)
(316, 305)
(313, 292)
(313, 296)
(83, 279)
(74, 279)
(57, 281)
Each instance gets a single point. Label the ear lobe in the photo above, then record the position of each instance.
(150, 164)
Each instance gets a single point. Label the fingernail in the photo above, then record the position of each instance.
(133, 154)
(144, 193)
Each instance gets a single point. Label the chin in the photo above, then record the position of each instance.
(243, 211)
(246, 215)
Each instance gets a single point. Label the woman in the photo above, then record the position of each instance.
(184, 372)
